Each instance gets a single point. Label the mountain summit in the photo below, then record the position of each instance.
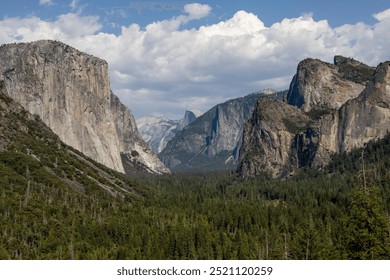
(213, 140)
(70, 91)
(158, 131)
(330, 109)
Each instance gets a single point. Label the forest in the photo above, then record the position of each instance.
(316, 215)
(56, 205)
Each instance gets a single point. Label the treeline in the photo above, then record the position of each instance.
(53, 206)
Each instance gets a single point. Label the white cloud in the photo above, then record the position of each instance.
(66, 27)
(384, 15)
(46, 2)
(73, 4)
(167, 68)
(197, 11)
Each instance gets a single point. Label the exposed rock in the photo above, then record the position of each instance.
(70, 91)
(31, 149)
(360, 120)
(213, 140)
(157, 131)
(279, 139)
(318, 85)
(276, 139)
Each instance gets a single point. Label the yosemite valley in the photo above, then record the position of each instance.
(296, 174)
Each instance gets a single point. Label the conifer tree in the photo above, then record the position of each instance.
(367, 235)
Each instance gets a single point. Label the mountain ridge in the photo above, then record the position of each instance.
(213, 140)
(70, 91)
(157, 131)
(333, 118)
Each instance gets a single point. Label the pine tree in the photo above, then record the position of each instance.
(367, 235)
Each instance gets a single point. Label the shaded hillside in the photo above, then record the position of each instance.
(55, 204)
(48, 188)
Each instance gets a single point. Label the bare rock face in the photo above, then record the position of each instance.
(360, 120)
(70, 91)
(213, 140)
(269, 138)
(318, 85)
(325, 115)
(157, 131)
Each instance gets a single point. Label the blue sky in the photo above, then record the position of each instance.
(169, 56)
(124, 12)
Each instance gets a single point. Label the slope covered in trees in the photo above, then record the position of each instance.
(57, 204)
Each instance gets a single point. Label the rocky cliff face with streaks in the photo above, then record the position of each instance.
(330, 109)
(322, 86)
(70, 91)
(157, 131)
(213, 140)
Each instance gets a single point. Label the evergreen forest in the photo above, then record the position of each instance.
(57, 204)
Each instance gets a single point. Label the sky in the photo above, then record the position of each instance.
(166, 57)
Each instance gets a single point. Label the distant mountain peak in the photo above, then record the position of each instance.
(212, 141)
(157, 131)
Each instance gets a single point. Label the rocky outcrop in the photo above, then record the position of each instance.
(276, 139)
(318, 122)
(321, 86)
(70, 91)
(360, 120)
(158, 131)
(213, 140)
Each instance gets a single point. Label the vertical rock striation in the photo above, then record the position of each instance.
(158, 131)
(70, 91)
(330, 109)
(213, 140)
(321, 86)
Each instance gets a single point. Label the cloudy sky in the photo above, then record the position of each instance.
(169, 56)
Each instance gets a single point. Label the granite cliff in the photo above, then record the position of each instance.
(158, 131)
(330, 109)
(31, 152)
(70, 91)
(318, 85)
(213, 140)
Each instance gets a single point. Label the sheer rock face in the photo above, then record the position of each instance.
(158, 131)
(360, 120)
(213, 140)
(318, 85)
(278, 140)
(70, 91)
(282, 137)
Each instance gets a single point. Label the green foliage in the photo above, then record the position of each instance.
(57, 204)
(189, 217)
(367, 229)
(316, 114)
(295, 127)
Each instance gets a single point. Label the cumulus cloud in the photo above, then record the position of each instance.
(166, 68)
(66, 27)
(196, 10)
(385, 15)
(46, 2)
